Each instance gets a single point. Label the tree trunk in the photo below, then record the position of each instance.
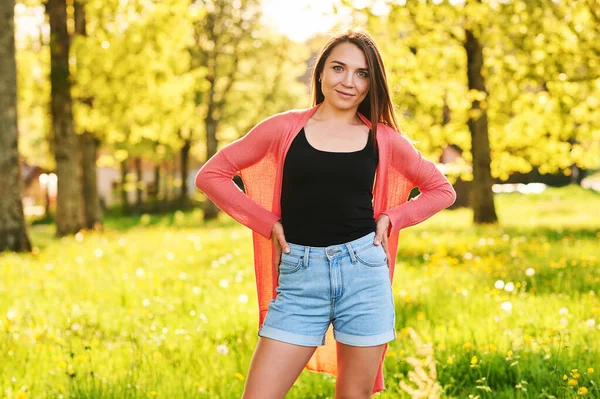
(92, 212)
(69, 207)
(89, 147)
(139, 184)
(210, 209)
(124, 199)
(13, 230)
(185, 160)
(481, 195)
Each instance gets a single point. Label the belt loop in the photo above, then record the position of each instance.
(351, 251)
(306, 253)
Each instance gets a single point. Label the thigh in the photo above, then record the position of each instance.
(356, 370)
(274, 368)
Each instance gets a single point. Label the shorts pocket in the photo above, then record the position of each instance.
(290, 263)
(372, 255)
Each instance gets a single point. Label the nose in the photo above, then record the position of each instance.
(347, 81)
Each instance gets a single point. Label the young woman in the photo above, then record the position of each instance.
(325, 236)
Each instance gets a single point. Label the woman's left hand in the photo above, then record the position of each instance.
(383, 222)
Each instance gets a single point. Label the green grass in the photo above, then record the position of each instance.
(147, 308)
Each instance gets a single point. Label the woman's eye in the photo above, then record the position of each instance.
(337, 66)
(363, 74)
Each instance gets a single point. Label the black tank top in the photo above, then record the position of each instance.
(326, 197)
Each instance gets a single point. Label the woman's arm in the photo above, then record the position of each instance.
(436, 191)
(215, 176)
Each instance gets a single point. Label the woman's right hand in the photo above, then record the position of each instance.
(278, 236)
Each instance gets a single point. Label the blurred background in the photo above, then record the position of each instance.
(108, 108)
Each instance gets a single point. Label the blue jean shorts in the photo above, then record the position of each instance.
(345, 284)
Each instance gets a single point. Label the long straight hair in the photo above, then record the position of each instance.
(377, 105)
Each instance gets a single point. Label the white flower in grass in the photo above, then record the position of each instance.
(510, 287)
(243, 298)
(499, 284)
(506, 306)
(590, 322)
(530, 272)
(224, 283)
(222, 349)
(563, 311)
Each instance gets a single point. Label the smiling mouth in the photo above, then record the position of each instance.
(345, 94)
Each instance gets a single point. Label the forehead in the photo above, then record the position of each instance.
(348, 53)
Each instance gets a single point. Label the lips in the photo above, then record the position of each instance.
(343, 94)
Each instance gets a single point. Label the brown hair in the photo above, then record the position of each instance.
(377, 105)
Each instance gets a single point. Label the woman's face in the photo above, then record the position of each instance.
(345, 77)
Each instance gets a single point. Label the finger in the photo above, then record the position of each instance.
(378, 238)
(284, 245)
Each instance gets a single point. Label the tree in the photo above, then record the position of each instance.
(482, 75)
(13, 231)
(69, 208)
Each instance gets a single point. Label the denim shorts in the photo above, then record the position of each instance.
(345, 284)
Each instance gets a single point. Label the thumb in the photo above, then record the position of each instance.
(283, 243)
(379, 233)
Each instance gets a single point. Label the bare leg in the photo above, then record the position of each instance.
(274, 368)
(357, 369)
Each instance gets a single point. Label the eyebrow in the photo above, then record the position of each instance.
(343, 64)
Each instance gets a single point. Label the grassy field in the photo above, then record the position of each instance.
(165, 306)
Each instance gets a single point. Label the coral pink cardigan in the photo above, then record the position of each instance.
(258, 158)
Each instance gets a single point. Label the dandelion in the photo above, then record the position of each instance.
(590, 322)
(153, 393)
(530, 271)
(450, 361)
(576, 376)
(222, 349)
(590, 370)
(474, 360)
(572, 383)
(509, 287)
(582, 391)
(21, 395)
(499, 284)
(564, 321)
(506, 306)
(240, 376)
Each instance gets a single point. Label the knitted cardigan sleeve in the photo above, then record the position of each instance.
(215, 176)
(436, 191)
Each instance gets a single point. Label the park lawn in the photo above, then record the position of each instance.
(165, 306)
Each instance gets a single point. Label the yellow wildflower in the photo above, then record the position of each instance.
(153, 393)
(572, 383)
(576, 376)
(582, 391)
(474, 360)
(240, 376)
(450, 361)
(565, 377)
(590, 371)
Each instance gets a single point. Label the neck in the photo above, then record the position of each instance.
(329, 113)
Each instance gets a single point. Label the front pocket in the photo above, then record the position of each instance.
(372, 255)
(290, 263)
